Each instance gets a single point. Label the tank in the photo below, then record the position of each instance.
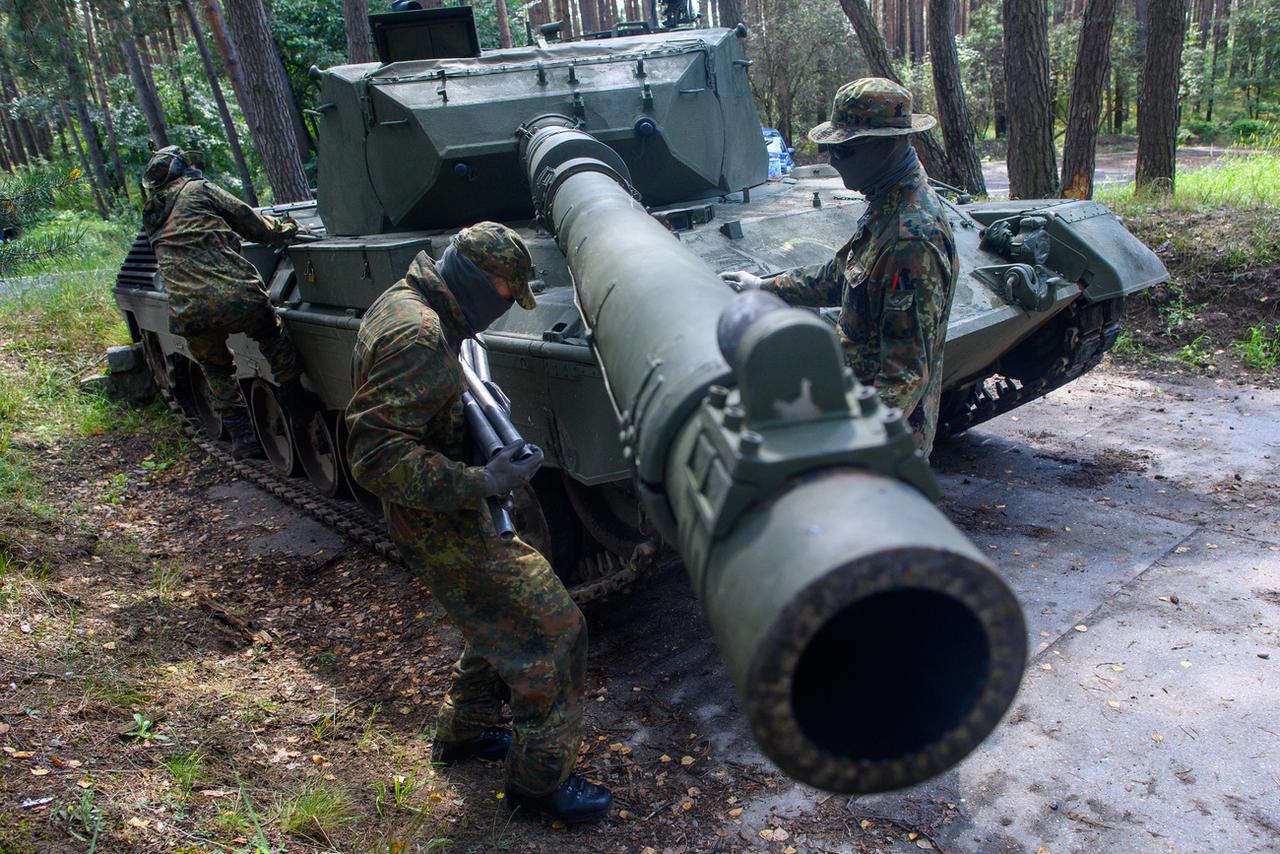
(680, 421)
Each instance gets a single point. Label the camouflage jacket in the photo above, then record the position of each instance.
(408, 432)
(195, 228)
(893, 281)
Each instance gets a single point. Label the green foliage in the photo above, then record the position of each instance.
(144, 729)
(27, 200)
(1235, 181)
(1199, 353)
(186, 769)
(1261, 349)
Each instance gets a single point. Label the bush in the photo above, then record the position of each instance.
(1203, 132)
(1250, 131)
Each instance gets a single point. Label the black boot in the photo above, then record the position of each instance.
(492, 744)
(574, 800)
(244, 444)
(299, 403)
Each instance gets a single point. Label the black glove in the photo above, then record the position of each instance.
(511, 468)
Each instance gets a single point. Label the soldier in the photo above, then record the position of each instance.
(408, 445)
(214, 291)
(895, 278)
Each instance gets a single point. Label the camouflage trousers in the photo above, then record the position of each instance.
(522, 632)
(209, 349)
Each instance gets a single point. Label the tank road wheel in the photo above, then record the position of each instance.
(198, 401)
(363, 497)
(321, 455)
(273, 427)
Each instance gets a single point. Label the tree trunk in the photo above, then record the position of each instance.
(589, 16)
(917, 30)
(273, 105)
(230, 57)
(228, 125)
(16, 151)
(729, 12)
(360, 37)
(22, 137)
(1093, 61)
(147, 99)
(609, 14)
(1032, 171)
(76, 83)
(504, 24)
(1158, 96)
(873, 47)
(953, 112)
(177, 69)
(84, 163)
(112, 144)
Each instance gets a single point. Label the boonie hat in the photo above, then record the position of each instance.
(500, 252)
(872, 106)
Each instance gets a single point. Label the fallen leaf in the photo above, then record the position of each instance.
(1186, 663)
(735, 812)
(138, 822)
(39, 772)
(686, 806)
(109, 645)
(866, 824)
(317, 759)
(664, 759)
(74, 763)
(1117, 668)
(924, 843)
(85, 783)
(1157, 737)
(18, 754)
(1082, 628)
(788, 850)
(1113, 704)
(624, 814)
(1042, 850)
(686, 760)
(217, 793)
(26, 628)
(912, 836)
(1046, 666)
(4, 728)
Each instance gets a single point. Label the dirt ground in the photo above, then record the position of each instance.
(267, 660)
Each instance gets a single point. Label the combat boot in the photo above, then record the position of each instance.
(575, 800)
(492, 744)
(244, 443)
(299, 403)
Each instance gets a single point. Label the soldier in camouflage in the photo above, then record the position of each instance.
(895, 278)
(195, 228)
(408, 445)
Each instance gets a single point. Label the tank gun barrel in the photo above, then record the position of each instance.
(871, 645)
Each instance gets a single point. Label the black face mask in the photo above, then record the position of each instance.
(473, 290)
(873, 165)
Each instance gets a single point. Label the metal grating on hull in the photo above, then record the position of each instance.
(139, 267)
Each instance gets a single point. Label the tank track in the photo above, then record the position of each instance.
(608, 573)
(1056, 354)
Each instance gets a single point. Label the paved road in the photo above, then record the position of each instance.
(1153, 730)
(1112, 168)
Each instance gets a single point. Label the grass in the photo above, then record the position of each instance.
(1260, 349)
(1236, 181)
(315, 811)
(186, 769)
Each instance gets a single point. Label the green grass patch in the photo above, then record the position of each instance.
(1236, 181)
(1260, 349)
(316, 811)
(186, 769)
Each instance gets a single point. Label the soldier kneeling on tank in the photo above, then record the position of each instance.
(409, 445)
(195, 227)
(895, 278)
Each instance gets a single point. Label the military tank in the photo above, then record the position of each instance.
(678, 419)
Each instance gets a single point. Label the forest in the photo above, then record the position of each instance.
(94, 85)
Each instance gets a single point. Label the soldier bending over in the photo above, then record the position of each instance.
(408, 446)
(895, 278)
(213, 290)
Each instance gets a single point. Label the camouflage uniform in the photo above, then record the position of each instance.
(893, 281)
(213, 290)
(895, 278)
(407, 439)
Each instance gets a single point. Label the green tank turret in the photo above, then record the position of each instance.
(676, 418)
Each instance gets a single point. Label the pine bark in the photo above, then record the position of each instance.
(1093, 62)
(113, 145)
(729, 12)
(927, 148)
(23, 137)
(355, 13)
(75, 77)
(147, 99)
(230, 57)
(953, 110)
(504, 24)
(84, 162)
(917, 30)
(272, 125)
(1033, 173)
(16, 150)
(228, 124)
(1158, 96)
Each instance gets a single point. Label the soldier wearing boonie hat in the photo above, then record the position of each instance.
(895, 277)
(408, 445)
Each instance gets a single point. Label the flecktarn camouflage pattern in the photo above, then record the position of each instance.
(500, 252)
(408, 445)
(871, 106)
(893, 281)
(195, 228)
